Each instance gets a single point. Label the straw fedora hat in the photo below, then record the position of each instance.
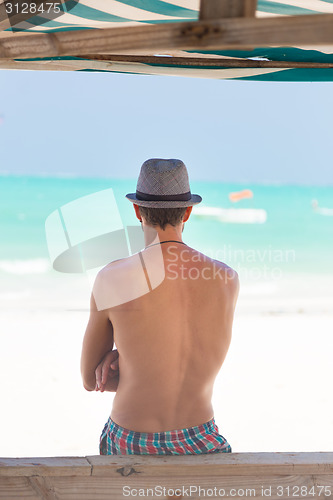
(163, 184)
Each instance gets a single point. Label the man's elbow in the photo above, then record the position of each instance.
(89, 383)
(88, 387)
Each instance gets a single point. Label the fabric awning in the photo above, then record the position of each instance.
(301, 62)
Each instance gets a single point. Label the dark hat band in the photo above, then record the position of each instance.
(163, 197)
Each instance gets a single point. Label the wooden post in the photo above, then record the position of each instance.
(215, 9)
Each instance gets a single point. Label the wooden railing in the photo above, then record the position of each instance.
(236, 475)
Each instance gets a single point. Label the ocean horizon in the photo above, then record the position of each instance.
(240, 182)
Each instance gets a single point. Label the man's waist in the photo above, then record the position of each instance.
(146, 417)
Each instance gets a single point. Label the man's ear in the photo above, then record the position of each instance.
(187, 214)
(137, 212)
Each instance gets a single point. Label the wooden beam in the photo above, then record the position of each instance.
(45, 466)
(236, 33)
(217, 464)
(205, 62)
(114, 63)
(238, 475)
(215, 9)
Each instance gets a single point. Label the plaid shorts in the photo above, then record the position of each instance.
(204, 438)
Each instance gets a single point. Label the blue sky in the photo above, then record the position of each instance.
(104, 124)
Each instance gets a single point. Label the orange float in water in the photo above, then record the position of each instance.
(239, 195)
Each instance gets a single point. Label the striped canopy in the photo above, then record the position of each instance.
(25, 41)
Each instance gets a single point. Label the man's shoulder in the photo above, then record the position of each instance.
(220, 269)
(116, 265)
(120, 268)
(228, 274)
(232, 273)
(113, 282)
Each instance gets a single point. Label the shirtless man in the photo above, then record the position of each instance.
(171, 340)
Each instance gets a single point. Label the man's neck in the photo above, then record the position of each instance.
(155, 235)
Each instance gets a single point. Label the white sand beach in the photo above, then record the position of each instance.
(272, 394)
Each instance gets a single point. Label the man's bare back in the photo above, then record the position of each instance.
(171, 341)
(169, 310)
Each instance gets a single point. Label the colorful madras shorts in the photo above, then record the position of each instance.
(204, 438)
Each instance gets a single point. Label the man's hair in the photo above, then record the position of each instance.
(162, 216)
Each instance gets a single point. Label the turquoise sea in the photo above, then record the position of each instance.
(294, 239)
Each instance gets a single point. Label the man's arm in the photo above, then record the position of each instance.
(111, 384)
(233, 287)
(229, 296)
(98, 340)
(107, 372)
